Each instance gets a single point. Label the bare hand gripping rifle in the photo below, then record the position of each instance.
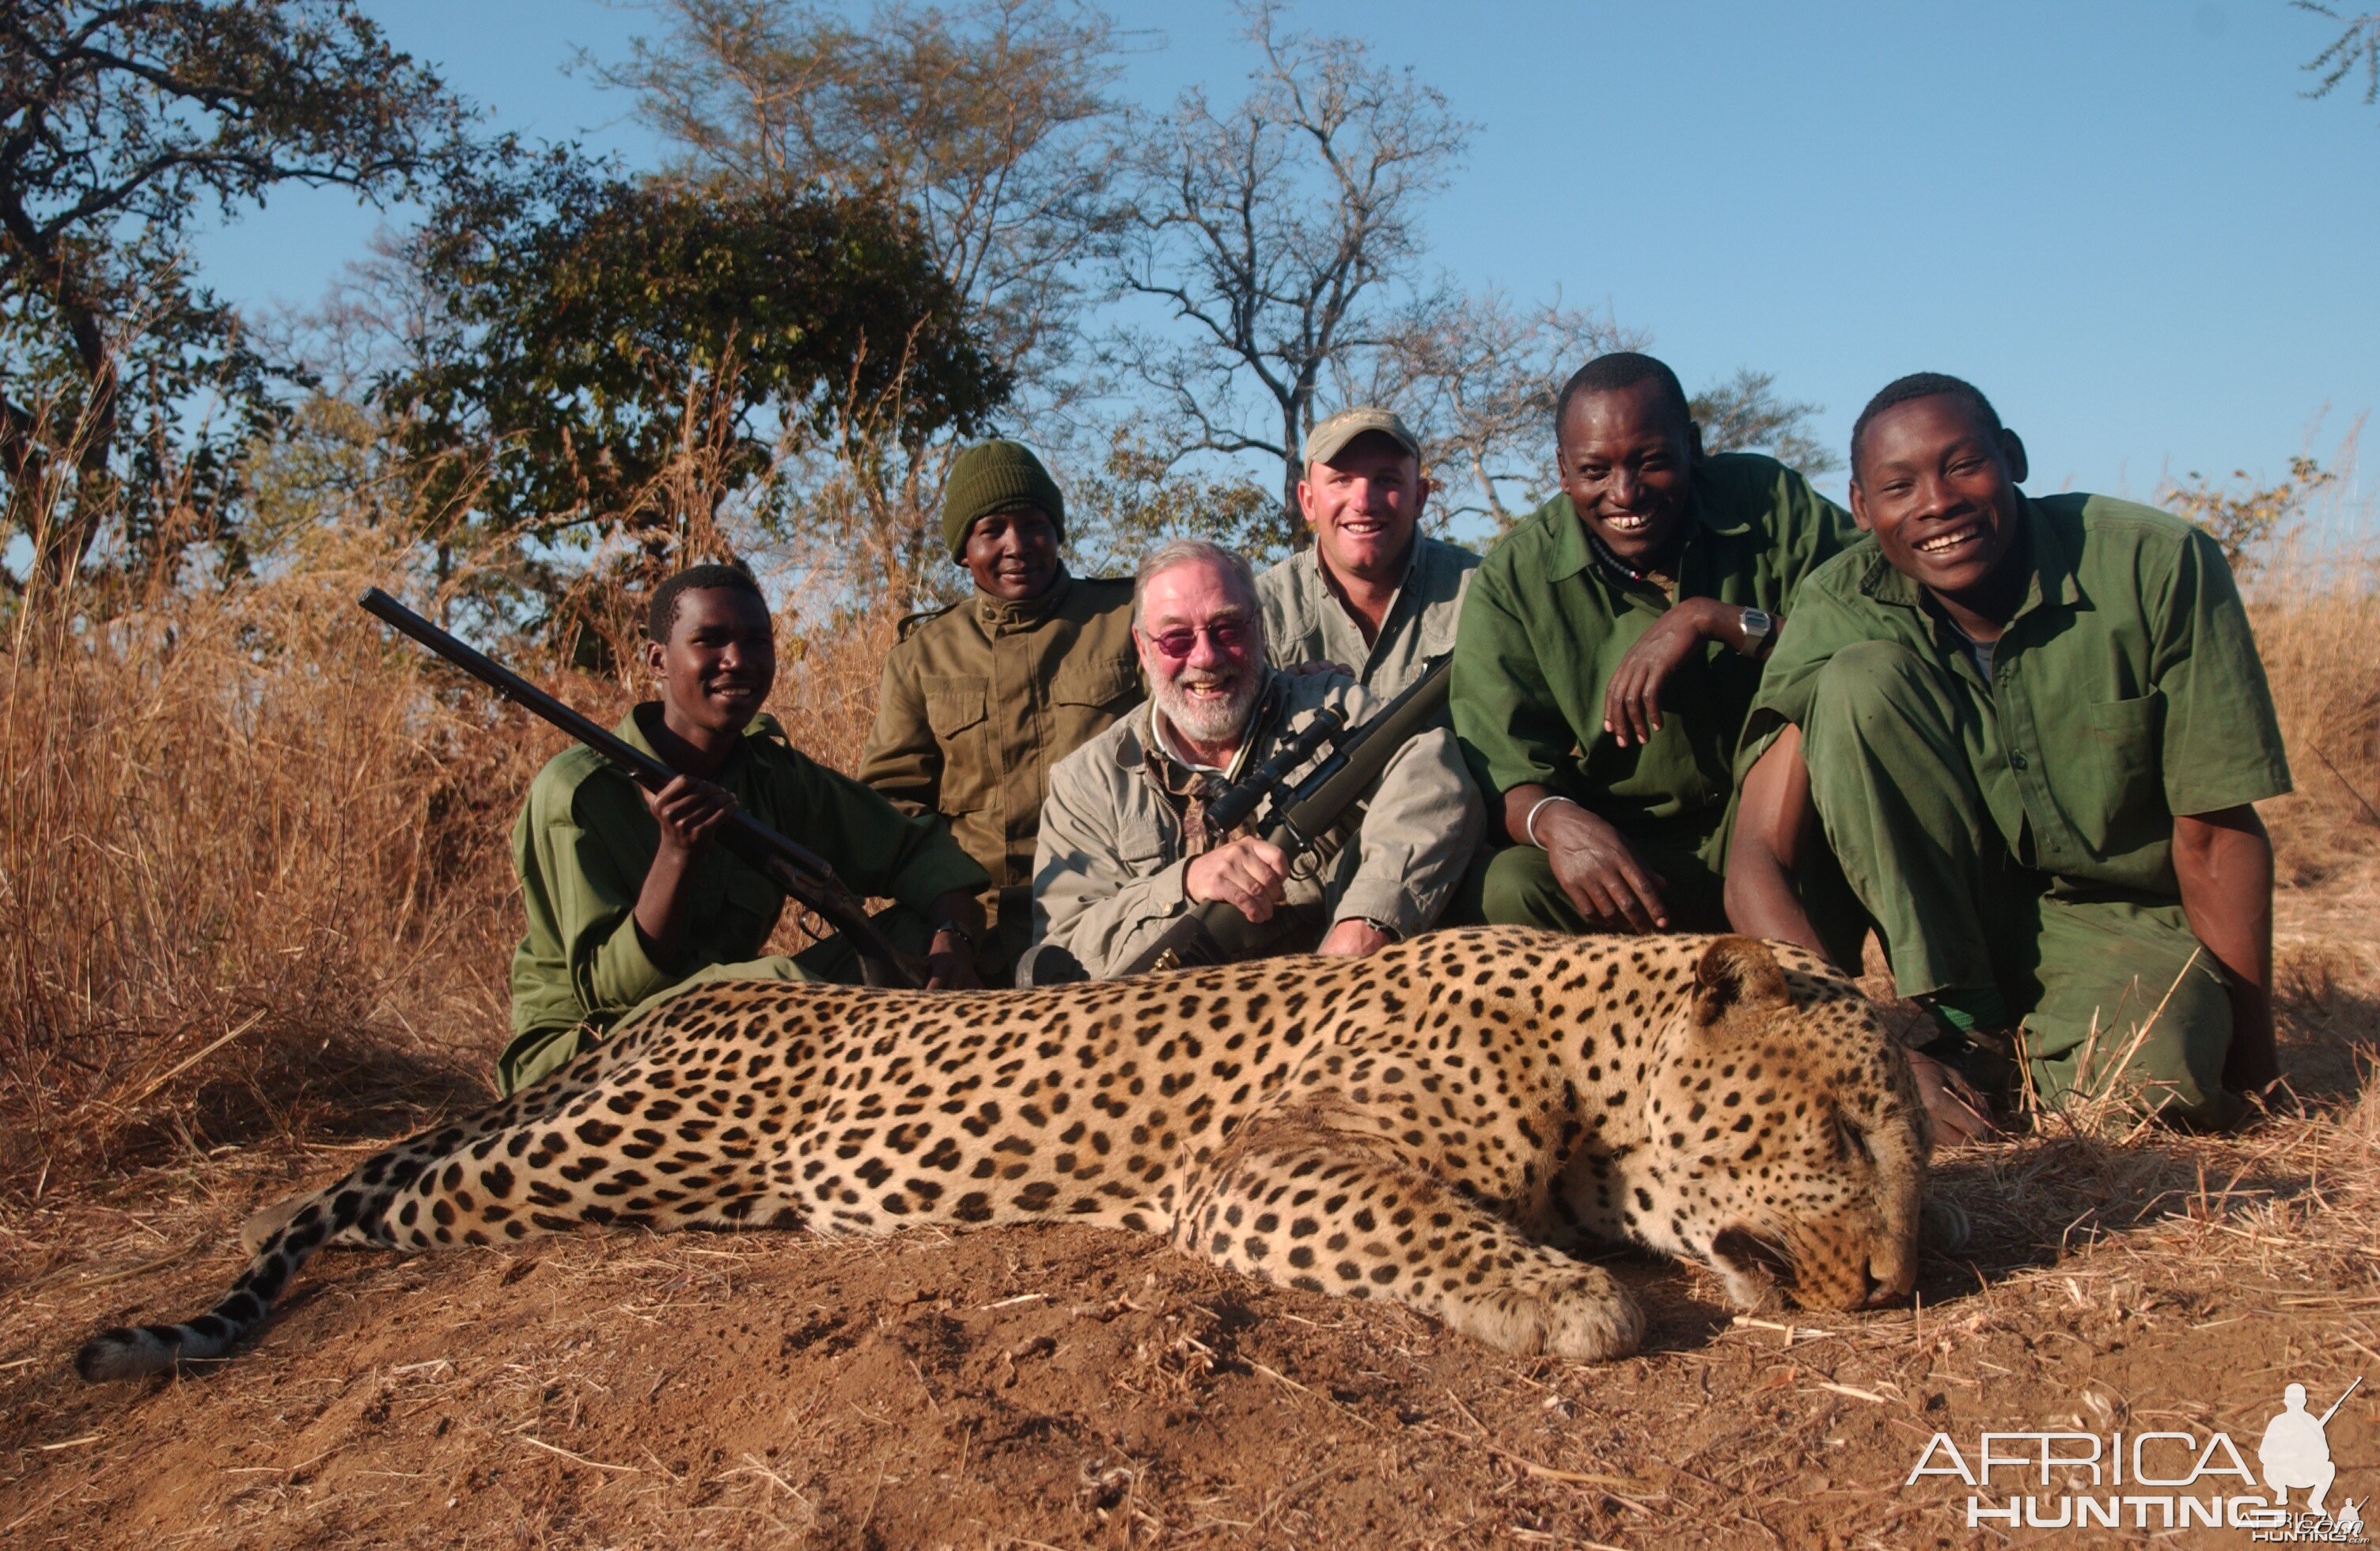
(792, 867)
(1216, 932)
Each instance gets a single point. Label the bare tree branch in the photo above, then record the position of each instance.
(2357, 44)
(1274, 231)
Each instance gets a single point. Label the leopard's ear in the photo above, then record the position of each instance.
(1738, 975)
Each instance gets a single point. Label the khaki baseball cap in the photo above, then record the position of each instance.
(1325, 441)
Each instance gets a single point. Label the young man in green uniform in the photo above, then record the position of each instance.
(981, 699)
(626, 895)
(1609, 649)
(2032, 732)
(1373, 593)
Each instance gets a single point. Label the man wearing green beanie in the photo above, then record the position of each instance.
(981, 697)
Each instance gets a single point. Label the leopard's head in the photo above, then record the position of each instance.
(1786, 1145)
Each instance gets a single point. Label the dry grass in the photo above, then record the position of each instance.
(2315, 625)
(254, 865)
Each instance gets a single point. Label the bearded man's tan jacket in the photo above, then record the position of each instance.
(1120, 827)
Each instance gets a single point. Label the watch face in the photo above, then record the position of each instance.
(1758, 621)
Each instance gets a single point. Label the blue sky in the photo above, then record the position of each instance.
(2119, 219)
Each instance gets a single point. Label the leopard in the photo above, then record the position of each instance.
(1462, 1121)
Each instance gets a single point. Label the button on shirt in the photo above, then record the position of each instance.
(1544, 625)
(2125, 690)
(1306, 622)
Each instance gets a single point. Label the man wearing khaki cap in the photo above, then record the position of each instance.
(1374, 594)
(981, 699)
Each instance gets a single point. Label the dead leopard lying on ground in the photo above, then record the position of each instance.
(1432, 1124)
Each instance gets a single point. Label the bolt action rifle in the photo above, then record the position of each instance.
(1215, 932)
(794, 869)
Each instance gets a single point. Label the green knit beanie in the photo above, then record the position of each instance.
(997, 476)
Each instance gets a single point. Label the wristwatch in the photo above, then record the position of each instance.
(1757, 625)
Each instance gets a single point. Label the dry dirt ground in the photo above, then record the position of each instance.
(1067, 1387)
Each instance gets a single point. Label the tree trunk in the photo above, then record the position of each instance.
(1293, 470)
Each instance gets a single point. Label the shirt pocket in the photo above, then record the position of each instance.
(1085, 699)
(957, 705)
(1437, 633)
(2115, 788)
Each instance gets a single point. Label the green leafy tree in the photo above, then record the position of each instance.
(616, 358)
(984, 120)
(121, 127)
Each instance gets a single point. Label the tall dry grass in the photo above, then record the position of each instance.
(2316, 624)
(254, 861)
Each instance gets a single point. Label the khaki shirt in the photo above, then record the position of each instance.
(1305, 622)
(1108, 872)
(2126, 690)
(979, 700)
(585, 840)
(1544, 625)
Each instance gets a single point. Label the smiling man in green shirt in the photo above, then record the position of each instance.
(1609, 649)
(628, 899)
(2032, 732)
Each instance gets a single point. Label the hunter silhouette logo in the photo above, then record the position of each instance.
(2296, 1450)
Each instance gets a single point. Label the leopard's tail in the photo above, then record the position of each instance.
(137, 1351)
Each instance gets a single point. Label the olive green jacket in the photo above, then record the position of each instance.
(585, 840)
(978, 700)
(1305, 622)
(1109, 876)
(2125, 690)
(1544, 625)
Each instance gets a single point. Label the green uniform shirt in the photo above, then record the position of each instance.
(1544, 625)
(585, 840)
(1305, 622)
(2126, 689)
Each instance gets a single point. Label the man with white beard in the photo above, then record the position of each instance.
(1125, 846)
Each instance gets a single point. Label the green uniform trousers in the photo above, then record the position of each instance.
(2112, 991)
(539, 1053)
(1514, 886)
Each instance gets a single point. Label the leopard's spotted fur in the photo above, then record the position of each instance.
(1432, 1124)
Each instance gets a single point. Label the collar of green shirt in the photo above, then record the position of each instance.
(2051, 570)
(632, 732)
(1573, 553)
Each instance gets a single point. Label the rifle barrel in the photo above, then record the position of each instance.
(646, 770)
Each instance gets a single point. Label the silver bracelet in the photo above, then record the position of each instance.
(1529, 825)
